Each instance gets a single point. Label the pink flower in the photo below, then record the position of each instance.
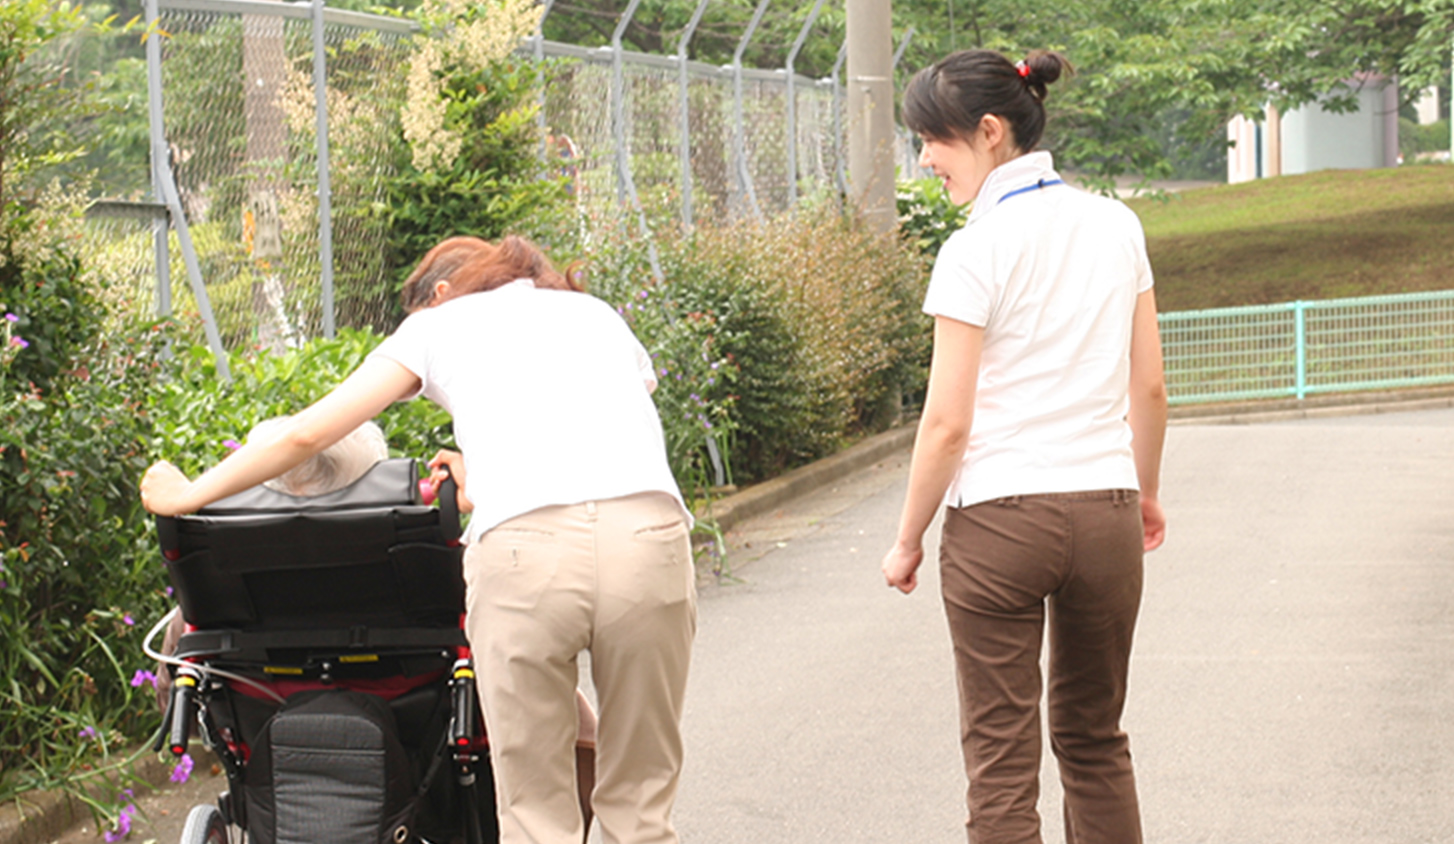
(19, 343)
(183, 771)
(12, 317)
(142, 676)
(123, 824)
(128, 620)
(231, 445)
(88, 733)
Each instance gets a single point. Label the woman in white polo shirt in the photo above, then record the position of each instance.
(578, 539)
(1041, 435)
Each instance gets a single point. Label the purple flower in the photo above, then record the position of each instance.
(143, 676)
(183, 771)
(123, 824)
(663, 372)
(88, 733)
(19, 343)
(128, 620)
(12, 317)
(231, 445)
(168, 591)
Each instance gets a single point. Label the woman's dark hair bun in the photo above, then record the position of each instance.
(1045, 66)
(950, 98)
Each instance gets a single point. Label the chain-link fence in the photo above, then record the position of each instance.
(617, 127)
(279, 227)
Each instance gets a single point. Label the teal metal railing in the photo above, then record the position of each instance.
(1300, 349)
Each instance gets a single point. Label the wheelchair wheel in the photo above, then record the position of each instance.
(205, 826)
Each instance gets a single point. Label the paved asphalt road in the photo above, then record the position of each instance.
(1293, 680)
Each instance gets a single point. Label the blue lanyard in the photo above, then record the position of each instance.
(1037, 186)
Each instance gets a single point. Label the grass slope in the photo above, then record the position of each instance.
(1322, 235)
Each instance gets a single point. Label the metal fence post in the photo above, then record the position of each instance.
(1300, 353)
(739, 141)
(538, 51)
(793, 103)
(685, 107)
(625, 184)
(325, 185)
(161, 248)
(164, 186)
(840, 168)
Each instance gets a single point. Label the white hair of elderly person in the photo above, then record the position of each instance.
(331, 469)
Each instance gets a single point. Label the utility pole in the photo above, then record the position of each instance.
(871, 111)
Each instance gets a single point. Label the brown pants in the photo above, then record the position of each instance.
(1002, 563)
(614, 577)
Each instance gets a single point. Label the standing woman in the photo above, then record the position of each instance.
(1041, 434)
(578, 539)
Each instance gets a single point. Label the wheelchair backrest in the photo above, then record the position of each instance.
(370, 554)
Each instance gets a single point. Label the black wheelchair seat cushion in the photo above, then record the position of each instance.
(329, 766)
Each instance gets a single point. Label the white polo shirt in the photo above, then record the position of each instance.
(550, 393)
(1052, 274)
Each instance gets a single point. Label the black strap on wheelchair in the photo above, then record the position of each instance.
(206, 642)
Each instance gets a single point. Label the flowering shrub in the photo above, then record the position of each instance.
(75, 573)
(693, 333)
(473, 164)
(467, 38)
(812, 320)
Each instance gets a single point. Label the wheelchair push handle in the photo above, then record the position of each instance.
(448, 496)
(182, 710)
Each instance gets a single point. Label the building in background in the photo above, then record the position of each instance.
(1308, 138)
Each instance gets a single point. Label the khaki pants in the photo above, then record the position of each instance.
(614, 577)
(1002, 564)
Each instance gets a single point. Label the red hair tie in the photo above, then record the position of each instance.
(1023, 68)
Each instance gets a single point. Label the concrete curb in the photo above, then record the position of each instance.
(769, 495)
(1347, 404)
(38, 817)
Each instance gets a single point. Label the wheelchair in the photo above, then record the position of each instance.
(324, 664)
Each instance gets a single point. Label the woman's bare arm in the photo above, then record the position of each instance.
(376, 384)
(939, 446)
(1148, 415)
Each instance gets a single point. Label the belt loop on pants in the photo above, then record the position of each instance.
(591, 509)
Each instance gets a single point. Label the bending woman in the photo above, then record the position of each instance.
(578, 540)
(1041, 434)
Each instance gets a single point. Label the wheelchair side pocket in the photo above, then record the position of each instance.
(430, 579)
(210, 596)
